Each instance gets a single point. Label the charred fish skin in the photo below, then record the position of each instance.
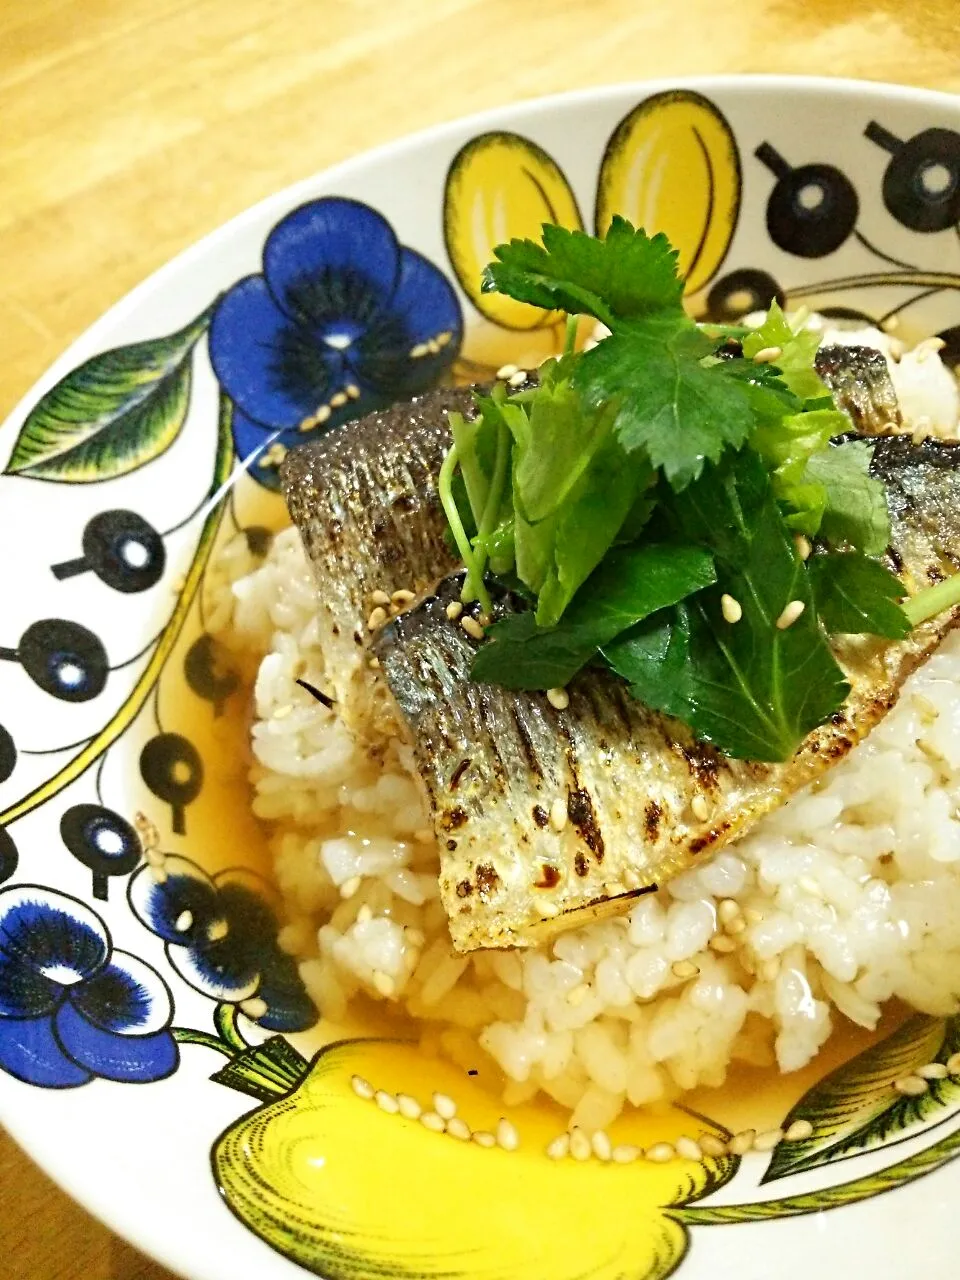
(364, 499)
(860, 382)
(548, 819)
(924, 504)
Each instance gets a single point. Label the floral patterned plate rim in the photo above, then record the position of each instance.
(137, 918)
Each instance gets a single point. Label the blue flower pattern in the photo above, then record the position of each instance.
(343, 320)
(71, 1006)
(221, 938)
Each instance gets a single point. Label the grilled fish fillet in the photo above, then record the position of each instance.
(548, 819)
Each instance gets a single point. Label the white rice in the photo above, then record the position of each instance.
(847, 897)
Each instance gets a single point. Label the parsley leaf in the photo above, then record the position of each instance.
(857, 594)
(787, 446)
(750, 688)
(631, 584)
(795, 364)
(554, 440)
(587, 526)
(680, 411)
(624, 275)
(855, 512)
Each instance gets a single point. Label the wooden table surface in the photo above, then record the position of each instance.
(129, 128)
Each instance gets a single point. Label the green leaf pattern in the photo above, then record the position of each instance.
(856, 1108)
(115, 413)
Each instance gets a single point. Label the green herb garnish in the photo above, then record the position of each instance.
(648, 496)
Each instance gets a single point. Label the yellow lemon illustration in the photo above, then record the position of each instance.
(501, 186)
(672, 165)
(351, 1186)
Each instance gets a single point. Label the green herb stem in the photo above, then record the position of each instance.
(491, 510)
(928, 603)
(473, 587)
(570, 337)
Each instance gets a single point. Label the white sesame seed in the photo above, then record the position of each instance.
(731, 609)
(459, 1129)
(559, 699)
(322, 414)
(254, 1008)
(350, 887)
(183, 921)
(379, 597)
(386, 1102)
(373, 663)
(626, 1153)
(362, 1088)
(728, 910)
(454, 610)
(742, 1142)
(559, 1147)
(601, 1144)
(684, 969)
(338, 400)
(506, 372)
(711, 1145)
(799, 1131)
(767, 355)
(578, 994)
(418, 350)
(403, 597)
(752, 915)
(281, 713)
(790, 614)
(409, 1107)
(932, 1071)
(580, 1147)
(722, 944)
(430, 1120)
(803, 546)
(549, 909)
(767, 1140)
(352, 391)
(472, 627)
(688, 1148)
(383, 983)
(443, 339)
(444, 1106)
(661, 1152)
(911, 1086)
(519, 378)
(700, 808)
(735, 926)
(920, 431)
(507, 1136)
(218, 930)
(484, 1139)
(558, 814)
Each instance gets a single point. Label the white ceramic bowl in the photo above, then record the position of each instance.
(135, 956)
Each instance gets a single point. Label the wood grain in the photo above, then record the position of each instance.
(130, 128)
